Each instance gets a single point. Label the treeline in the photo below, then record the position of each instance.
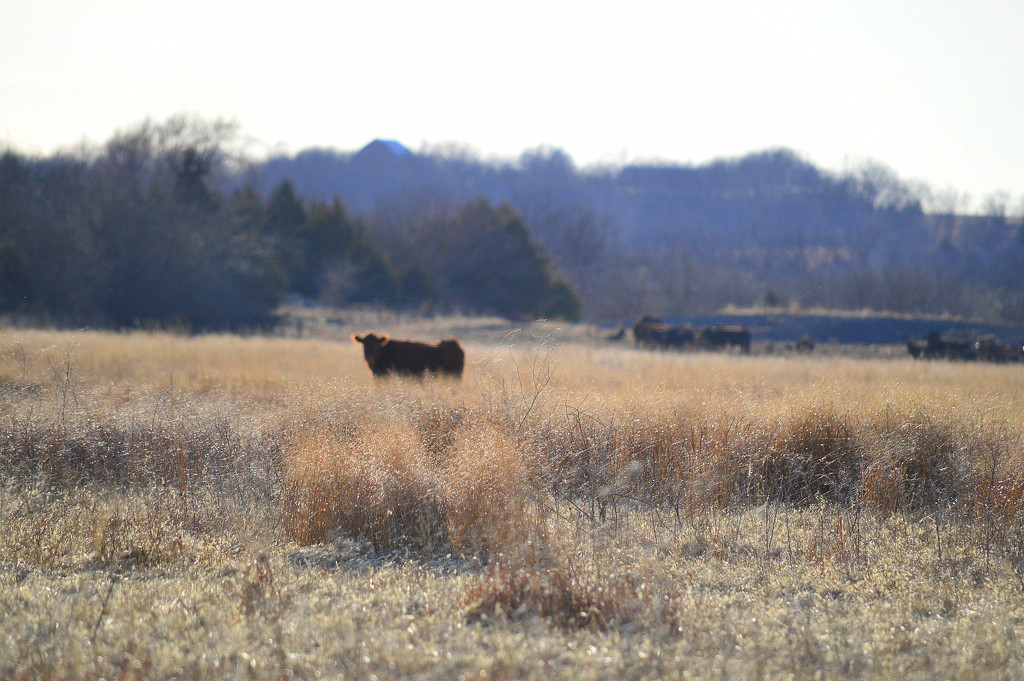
(172, 223)
(161, 226)
(767, 228)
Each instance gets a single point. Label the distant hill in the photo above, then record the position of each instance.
(165, 224)
(684, 239)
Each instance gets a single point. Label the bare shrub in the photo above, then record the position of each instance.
(715, 466)
(581, 459)
(814, 455)
(914, 461)
(996, 472)
(650, 450)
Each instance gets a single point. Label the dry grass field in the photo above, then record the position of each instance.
(226, 507)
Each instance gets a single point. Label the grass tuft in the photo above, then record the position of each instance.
(535, 584)
(376, 485)
(491, 486)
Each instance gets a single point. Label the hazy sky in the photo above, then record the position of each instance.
(934, 89)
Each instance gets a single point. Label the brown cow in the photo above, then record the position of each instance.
(387, 355)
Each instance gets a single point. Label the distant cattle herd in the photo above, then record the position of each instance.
(653, 332)
(981, 348)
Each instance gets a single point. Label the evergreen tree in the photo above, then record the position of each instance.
(492, 264)
(15, 284)
(288, 224)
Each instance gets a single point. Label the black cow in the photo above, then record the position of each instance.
(937, 346)
(917, 348)
(386, 355)
(714, 337)
(805, 344)
(988, 349)
(651, 331)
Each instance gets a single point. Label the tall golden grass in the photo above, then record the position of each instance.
(540, 479)
(390, 460)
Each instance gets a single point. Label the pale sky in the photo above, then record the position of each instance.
(933, 89)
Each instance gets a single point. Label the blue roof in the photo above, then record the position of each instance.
(391, 146)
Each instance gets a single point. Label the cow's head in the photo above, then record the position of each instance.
(372, 343)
